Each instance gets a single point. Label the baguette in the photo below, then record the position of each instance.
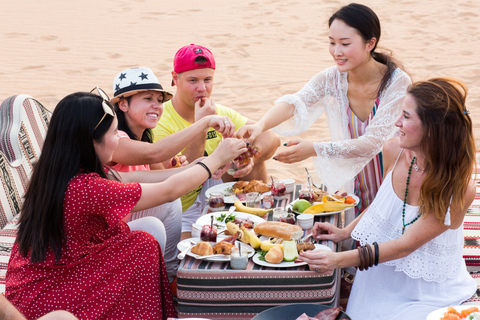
(276, 229)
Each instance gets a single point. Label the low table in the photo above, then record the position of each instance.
(213, 290)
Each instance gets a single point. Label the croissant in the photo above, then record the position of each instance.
(203, 249)
(240, 185)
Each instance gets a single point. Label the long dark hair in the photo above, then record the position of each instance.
(123, 125)
(448, 143)
(68, 148)
(366, 22)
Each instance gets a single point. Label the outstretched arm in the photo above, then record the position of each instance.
(134, 152)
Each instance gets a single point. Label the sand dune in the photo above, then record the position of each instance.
(264, 49)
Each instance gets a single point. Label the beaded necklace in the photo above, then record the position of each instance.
(405, 200)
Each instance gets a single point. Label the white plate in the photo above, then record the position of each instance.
(206, 219)
(286, 264)
(223, 187)
(357, 200)
(182, 245)
(438, 314)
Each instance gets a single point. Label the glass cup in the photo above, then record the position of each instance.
(288, 218)
(253, 200)
(216, 202)
(233, 168)
(306, 195)
(278, 189)
(208, 234)
(239, 259)
(278, 214)
(267, 201)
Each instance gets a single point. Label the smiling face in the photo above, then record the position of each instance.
(347, 46)
(410, 126)
(107, 146)
(193, 85)
(142, 110)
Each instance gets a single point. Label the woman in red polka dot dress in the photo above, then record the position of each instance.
(74, 250)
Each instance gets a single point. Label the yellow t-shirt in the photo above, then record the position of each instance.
(171, 122)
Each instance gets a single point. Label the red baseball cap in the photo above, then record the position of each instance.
(193, 57)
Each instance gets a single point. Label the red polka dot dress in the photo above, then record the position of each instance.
(106, 271)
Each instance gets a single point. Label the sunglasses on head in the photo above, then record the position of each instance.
(105, 106)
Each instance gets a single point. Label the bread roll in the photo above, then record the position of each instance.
(203, 249)
(274, 255)
(276, 229)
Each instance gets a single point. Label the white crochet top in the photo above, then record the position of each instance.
(437, 260)
(339, 161)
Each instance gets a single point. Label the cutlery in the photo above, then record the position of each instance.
(217, 255)
(230, 211)
(182, 254)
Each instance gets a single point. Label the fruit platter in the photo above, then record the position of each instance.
(329, 204)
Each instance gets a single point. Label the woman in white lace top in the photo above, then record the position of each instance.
(361, 96)
(411, 259)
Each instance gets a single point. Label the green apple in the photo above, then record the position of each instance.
(300, 205)
(290, 252)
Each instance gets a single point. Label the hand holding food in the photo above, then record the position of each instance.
(175, 162)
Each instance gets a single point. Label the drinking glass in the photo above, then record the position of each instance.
(253, 200)
(216, 201)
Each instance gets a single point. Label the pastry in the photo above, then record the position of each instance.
(202, 249)
(223, 247)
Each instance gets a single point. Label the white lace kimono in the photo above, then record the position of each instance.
(339, 161)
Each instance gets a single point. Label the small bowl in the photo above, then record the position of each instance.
(196, 229)
(305, 221)
(289, 185)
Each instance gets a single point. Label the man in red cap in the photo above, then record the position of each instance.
(193, 74)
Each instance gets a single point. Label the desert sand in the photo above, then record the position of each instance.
(263, 49)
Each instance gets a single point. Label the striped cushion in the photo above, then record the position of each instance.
(7, 238)
(23, 126)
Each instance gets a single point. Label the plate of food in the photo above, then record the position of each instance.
(236, 190)
(219, 252)
(342, 202)
(468, 312)
(259, 258)
(247, 219)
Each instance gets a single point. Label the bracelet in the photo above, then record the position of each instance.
(362, 261)
(370, 255)
(206, 168)
(365, 255)
(377, 253)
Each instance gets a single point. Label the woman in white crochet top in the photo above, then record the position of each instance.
(361, 96)
(411, 260)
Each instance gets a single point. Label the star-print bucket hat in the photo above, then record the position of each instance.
(134, 80)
